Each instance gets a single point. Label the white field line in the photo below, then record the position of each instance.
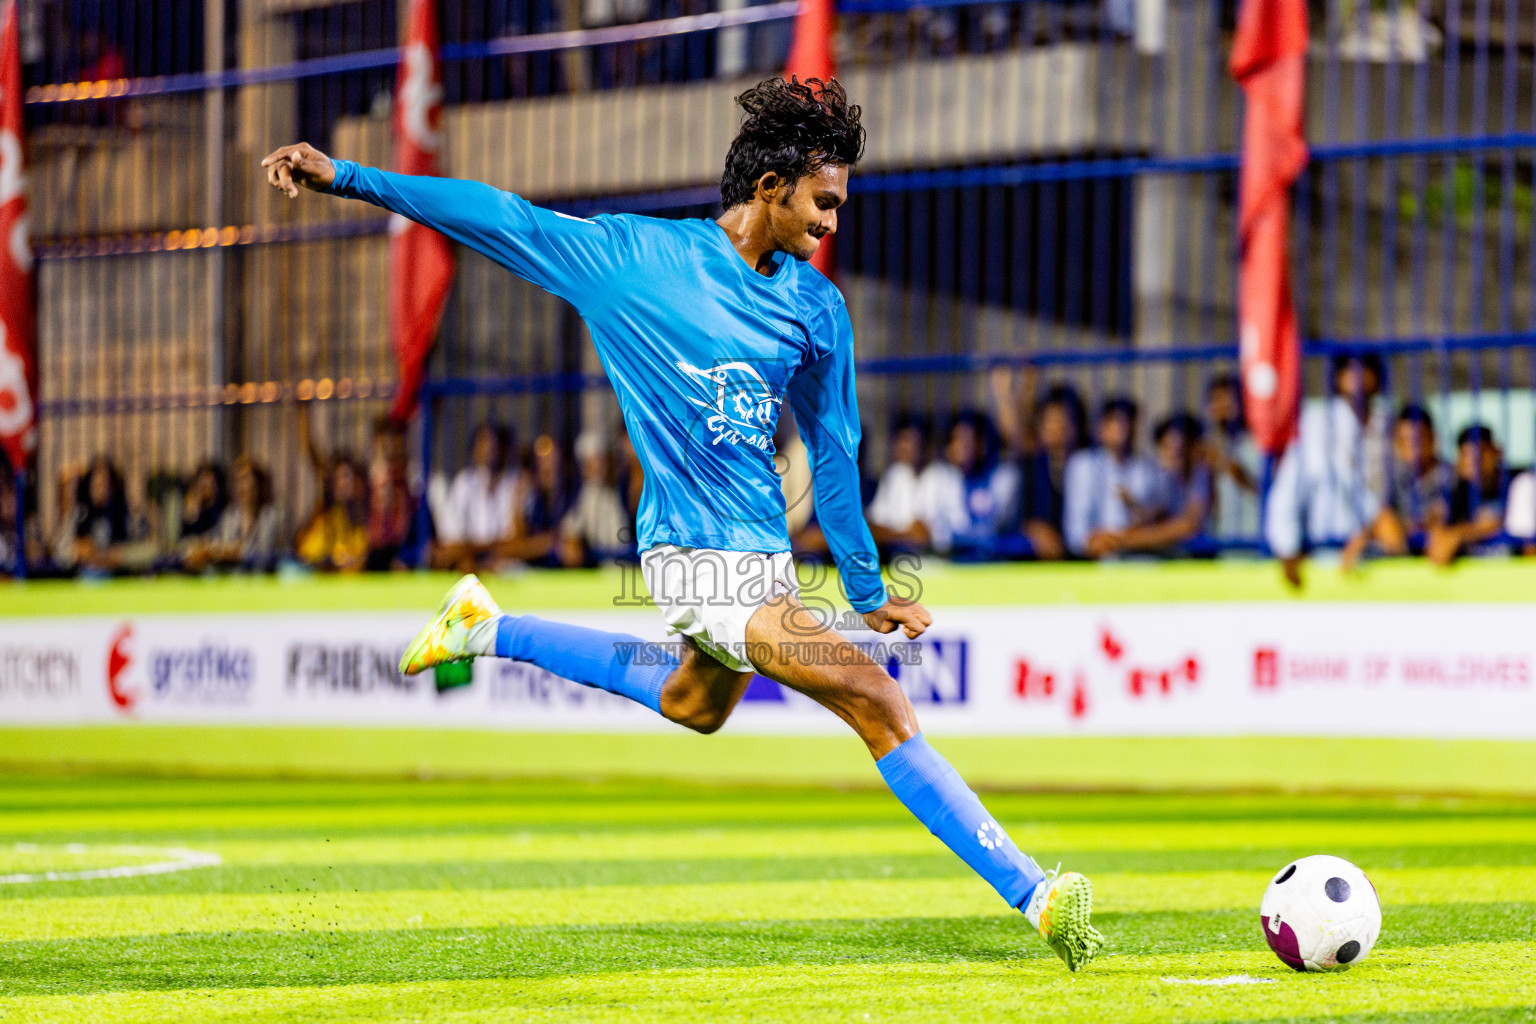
(176, 859)
(1231, 979)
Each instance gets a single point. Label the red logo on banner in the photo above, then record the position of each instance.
(17, 343)
(1266, 669)
(1144, 681)
(1079, 697)
(118, 660)
(1111, 647)
(1029, 681)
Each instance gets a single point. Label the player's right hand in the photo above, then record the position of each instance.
(909, 616)
(300, 164)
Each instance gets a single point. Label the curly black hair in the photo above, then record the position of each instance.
(793, 128)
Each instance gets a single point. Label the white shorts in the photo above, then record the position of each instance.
(709, 595)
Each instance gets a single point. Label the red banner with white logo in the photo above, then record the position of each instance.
(810, 56)
(18, 380)
(420, 261)
(1269, 63)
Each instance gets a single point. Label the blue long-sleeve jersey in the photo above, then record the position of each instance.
(701, 351)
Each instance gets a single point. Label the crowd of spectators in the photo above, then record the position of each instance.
(1052, 482)
(505, 506)
(1045, 478)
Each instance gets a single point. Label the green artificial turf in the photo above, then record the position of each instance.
(636, 901)
(1312, 764)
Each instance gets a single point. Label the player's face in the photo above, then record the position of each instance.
(802, 218)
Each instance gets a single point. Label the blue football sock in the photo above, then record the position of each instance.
(940, 799)
(616, 662)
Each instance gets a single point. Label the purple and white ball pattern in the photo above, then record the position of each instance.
(1320, 913)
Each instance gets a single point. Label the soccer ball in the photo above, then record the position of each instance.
(1320, 913)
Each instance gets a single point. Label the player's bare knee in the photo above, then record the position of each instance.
(694, 710)
(706, 722)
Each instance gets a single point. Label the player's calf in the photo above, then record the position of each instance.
(702, 693)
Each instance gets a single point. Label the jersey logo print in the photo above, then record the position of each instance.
(744, 408)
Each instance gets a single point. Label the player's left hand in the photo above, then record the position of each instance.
(909, 615)
(299, 164)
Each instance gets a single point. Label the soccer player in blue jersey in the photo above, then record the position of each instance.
(705, 328)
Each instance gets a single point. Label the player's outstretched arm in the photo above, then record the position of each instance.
(299, 165)
(569, 256)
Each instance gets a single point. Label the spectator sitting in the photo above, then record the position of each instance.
(1322, 491)
(545, 497)
(1176, 512)
(391, 504)
(968, 494)
(100, 527)
(1475, 514)
(1107, 487)
(202, 505)
(249, 534)
(597, 528)
(61, 544)
(475, 520)
(896, 515)
(1421, 482)
(1235, 463)
(16, 538)
(336, 536)
(1060, 428)
(630, 479)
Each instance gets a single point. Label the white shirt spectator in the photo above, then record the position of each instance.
(1323, 489)
(599, 520)
(954, 510)
(1237, 507)
(1092, 493)
(478, 507)
(261, 543)
(898, 501)
(1520, 507)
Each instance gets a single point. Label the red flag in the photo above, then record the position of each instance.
(810, 56)
(1268, 62)
(420, 262)
(18, 380)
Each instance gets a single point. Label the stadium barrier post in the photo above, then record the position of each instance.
(423, 519)
(19, 561)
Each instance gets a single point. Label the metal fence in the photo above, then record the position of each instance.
(1050, 186)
